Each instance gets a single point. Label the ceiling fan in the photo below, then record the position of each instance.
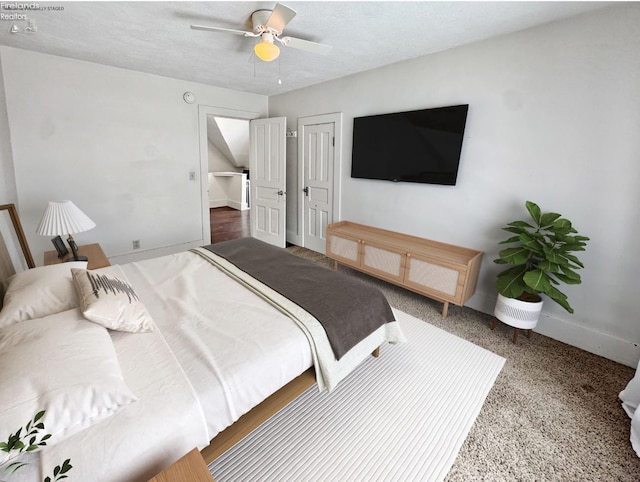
(268, 25)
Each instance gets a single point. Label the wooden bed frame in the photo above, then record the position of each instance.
(257, 415)
(260, 414)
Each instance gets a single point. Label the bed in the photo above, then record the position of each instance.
(197, 356)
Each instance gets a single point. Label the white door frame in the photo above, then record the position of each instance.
(203, 112)
(336, 119)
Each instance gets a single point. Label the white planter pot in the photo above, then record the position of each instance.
(516, 313)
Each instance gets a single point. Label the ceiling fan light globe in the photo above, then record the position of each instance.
(266, 51)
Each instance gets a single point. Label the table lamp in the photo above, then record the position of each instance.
(65, 218)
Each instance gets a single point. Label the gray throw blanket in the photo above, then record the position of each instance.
(348, 309)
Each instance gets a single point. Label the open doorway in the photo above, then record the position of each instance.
(204, 112)
(228, 177)
(265, 188)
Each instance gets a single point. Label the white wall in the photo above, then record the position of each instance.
(7, 178)
(554, 118)
(218, 162)
(120, 144)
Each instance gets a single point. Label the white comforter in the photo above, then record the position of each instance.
(329, 371)
(235, 348)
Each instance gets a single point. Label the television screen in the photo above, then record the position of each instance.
(415, 146)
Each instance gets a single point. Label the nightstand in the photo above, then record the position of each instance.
(97, 258)
(190, 468)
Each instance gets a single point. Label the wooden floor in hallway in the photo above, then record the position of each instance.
(228, 223)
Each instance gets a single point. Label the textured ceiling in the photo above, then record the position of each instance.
(155, 37)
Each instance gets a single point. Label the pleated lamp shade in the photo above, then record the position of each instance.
(63, 217)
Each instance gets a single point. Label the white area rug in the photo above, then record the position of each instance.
(403, 416)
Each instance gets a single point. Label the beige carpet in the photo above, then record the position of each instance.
(553, 412)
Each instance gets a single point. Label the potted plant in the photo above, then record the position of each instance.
(540, 259)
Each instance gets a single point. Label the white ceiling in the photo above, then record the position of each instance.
(155, 37)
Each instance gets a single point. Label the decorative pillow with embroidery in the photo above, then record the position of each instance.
(107, 298)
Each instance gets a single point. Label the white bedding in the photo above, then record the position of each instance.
(132, 445)
(217, 317)
(218, 350)
(329, 371)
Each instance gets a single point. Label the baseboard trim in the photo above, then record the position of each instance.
(588, 339)
(237, 205)
(574, 334)
(227, 203)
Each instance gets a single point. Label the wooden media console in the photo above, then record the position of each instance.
(440, 271)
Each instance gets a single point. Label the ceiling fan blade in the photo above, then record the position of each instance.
(220, 29)
(298, 43)
(280, 17)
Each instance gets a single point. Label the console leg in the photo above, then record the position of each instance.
(445, 309)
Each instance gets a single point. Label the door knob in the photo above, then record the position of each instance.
(306, 191)
(281, 192)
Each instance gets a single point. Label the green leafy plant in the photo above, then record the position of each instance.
(20, 442)
(60, 471)
(28, 439)
(541, 258)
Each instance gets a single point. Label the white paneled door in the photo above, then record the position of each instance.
(267, 159)
(318, 165)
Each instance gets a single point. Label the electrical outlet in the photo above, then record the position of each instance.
(136, 244)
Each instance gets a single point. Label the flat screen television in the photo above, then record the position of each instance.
(415, 146)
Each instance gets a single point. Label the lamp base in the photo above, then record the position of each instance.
(77, 258)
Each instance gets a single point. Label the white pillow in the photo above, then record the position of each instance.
(39, 292)
(64, 365)
(107, 298)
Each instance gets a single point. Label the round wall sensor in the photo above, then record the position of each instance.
(189, 98)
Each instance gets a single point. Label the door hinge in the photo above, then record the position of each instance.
(333, 141)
